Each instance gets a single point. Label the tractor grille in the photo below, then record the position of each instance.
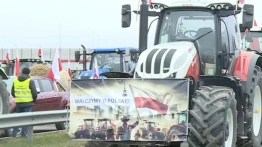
(157, 61)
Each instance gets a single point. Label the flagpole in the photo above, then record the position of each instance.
(132, 91)
(59, 35)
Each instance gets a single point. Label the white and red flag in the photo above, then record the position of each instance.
(96, 72)
(145, 98)
(8, 56)
(54, 73)
(17, 65)
(69, 69)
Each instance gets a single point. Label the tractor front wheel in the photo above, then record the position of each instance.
(213, 118)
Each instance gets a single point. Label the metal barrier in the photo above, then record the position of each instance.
(30, 119)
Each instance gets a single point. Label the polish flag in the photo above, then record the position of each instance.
(17, 65)
(96, 73)
(148, 99)
(69, 69)
(41, 55)
(242, 2)
(8, 56)
(54, 73)
(150, 2)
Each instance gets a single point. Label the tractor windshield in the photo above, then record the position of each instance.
(252, 40)
(188, 25)
(107, 60)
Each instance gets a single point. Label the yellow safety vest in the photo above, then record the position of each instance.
(22, 91)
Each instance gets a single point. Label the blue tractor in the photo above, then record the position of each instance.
(111, 62)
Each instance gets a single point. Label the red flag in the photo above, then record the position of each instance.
(96, 73)
(54, 73)
(69, 69)
(8, 56)
(241, 1)
(150, 2)
(255, 23)
(17, 65)
(147, 99)
(60, 64)
(41, 54)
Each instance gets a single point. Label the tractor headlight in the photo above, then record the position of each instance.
(117, 50)
(219, 7)
(212, 7)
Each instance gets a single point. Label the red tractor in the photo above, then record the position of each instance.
(200, 40)
(86, 130)
(104, 130)
(152, 132)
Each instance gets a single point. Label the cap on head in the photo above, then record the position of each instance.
(26, 71)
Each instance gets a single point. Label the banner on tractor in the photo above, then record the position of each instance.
(129, 109)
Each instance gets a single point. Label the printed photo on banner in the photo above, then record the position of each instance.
(129, 109)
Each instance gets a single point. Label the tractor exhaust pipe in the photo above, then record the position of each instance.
(143, 26)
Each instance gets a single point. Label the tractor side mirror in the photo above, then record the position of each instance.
(248, 16)
(126, 16)
(77, 56)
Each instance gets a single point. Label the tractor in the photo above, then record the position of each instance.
(252, 38)
(200, 40)
(86, 130)
(151, 131)
(111, 62)
(104, 129)
(10, 67)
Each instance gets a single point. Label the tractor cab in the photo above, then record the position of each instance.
(193, 38)
(151, 126)
(252, 38)
(89, 122)
(103, 124)
(110, 60)
(10, 68)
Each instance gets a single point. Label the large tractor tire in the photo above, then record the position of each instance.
(254, 114)
(213, 118)
(4, 106)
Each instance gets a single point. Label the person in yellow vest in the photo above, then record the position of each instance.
(25, 94)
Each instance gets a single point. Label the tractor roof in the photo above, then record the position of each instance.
(194, 3)
(88, 119)
(112, 50)
(103, 119)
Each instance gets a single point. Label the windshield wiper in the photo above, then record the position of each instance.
(202, 35)
(112, 57)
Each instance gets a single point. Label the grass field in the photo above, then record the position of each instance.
(46, 140)
(54, 139)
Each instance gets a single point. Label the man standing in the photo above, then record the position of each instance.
(25, 94)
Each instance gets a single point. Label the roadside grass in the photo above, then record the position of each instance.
(46, 140)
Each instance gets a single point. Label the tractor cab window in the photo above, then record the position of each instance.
(109, 61)
(193, 26)
(230, 36)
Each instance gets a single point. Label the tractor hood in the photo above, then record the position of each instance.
(89, 74)
(165, 60)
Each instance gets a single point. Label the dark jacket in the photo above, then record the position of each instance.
(32, 86)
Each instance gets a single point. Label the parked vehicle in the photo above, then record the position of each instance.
(51, 96)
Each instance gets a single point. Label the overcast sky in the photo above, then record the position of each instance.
(94, 23)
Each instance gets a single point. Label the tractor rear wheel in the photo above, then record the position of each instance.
(254, 115)
(213, 118)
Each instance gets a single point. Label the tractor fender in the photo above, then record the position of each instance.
(245, 67)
